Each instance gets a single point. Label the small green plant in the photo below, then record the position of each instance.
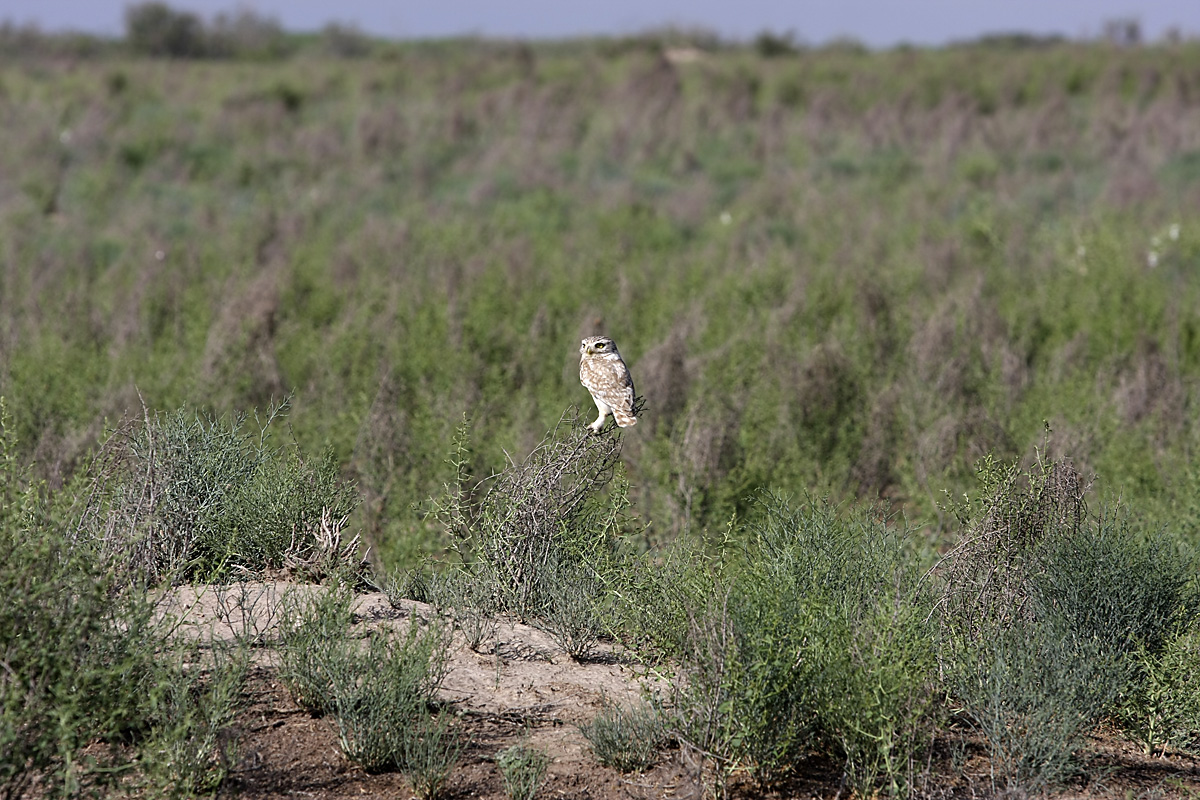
(249, 610)
(313, 649)
(1161, 709)
(430, 752)
(189, 749)
(470, 601)
(407, 584)
(573, 614)
(523, 768)
(378, 692)
(380, 696)
(626, 739)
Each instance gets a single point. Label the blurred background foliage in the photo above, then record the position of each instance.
(830, 269)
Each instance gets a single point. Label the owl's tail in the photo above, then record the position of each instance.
(624, 418)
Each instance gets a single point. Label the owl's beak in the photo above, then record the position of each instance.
(588, 348)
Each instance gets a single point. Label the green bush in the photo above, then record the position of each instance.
(626, 739)
(380, 696)
(377, 692)
(1161, 709)
(189, 748)
(523, 768)
(1035, 691)
(190, 497)
(820, 642)
(312, 644)
(1053, 617)
(155, 29)
(86, 662)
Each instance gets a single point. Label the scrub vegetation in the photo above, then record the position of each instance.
(917, 333)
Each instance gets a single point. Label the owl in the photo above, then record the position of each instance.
(604, 374)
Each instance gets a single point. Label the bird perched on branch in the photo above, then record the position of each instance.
(602, 371)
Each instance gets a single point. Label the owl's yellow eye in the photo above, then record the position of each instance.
(599, 345)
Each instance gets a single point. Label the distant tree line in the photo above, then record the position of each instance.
(156, 29)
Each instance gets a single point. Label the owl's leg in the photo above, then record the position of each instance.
(604, 412)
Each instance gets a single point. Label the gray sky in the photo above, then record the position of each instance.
(875, 22)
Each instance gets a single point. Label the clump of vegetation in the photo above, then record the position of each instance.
(184, 496)
(157, 29)
(523, 768)
(538, 535)
(1054, 616)
(628, 739)
(87, 662)
(825, 645)
(190, 747)
(1160, 710)
(378, 693)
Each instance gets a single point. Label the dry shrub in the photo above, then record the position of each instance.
(873, 470)
(987, 572)
(536, 520)
(1148, 385)
(666, 379)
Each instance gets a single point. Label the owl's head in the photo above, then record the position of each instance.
(598, 346)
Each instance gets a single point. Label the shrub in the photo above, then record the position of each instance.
(469, 601)
(523, 768)
(1052, 617)
(85, 662)
(189, 748)
(430, 751)
(193, 497)
(824, 645)
(312, 644)
(155, 29)
(377, 693)
(986, 575)
(245, 34)
(1161, 710)
(1034, 691)
(626, 739)
(380, 697)
(538, 518)
(572, 612)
